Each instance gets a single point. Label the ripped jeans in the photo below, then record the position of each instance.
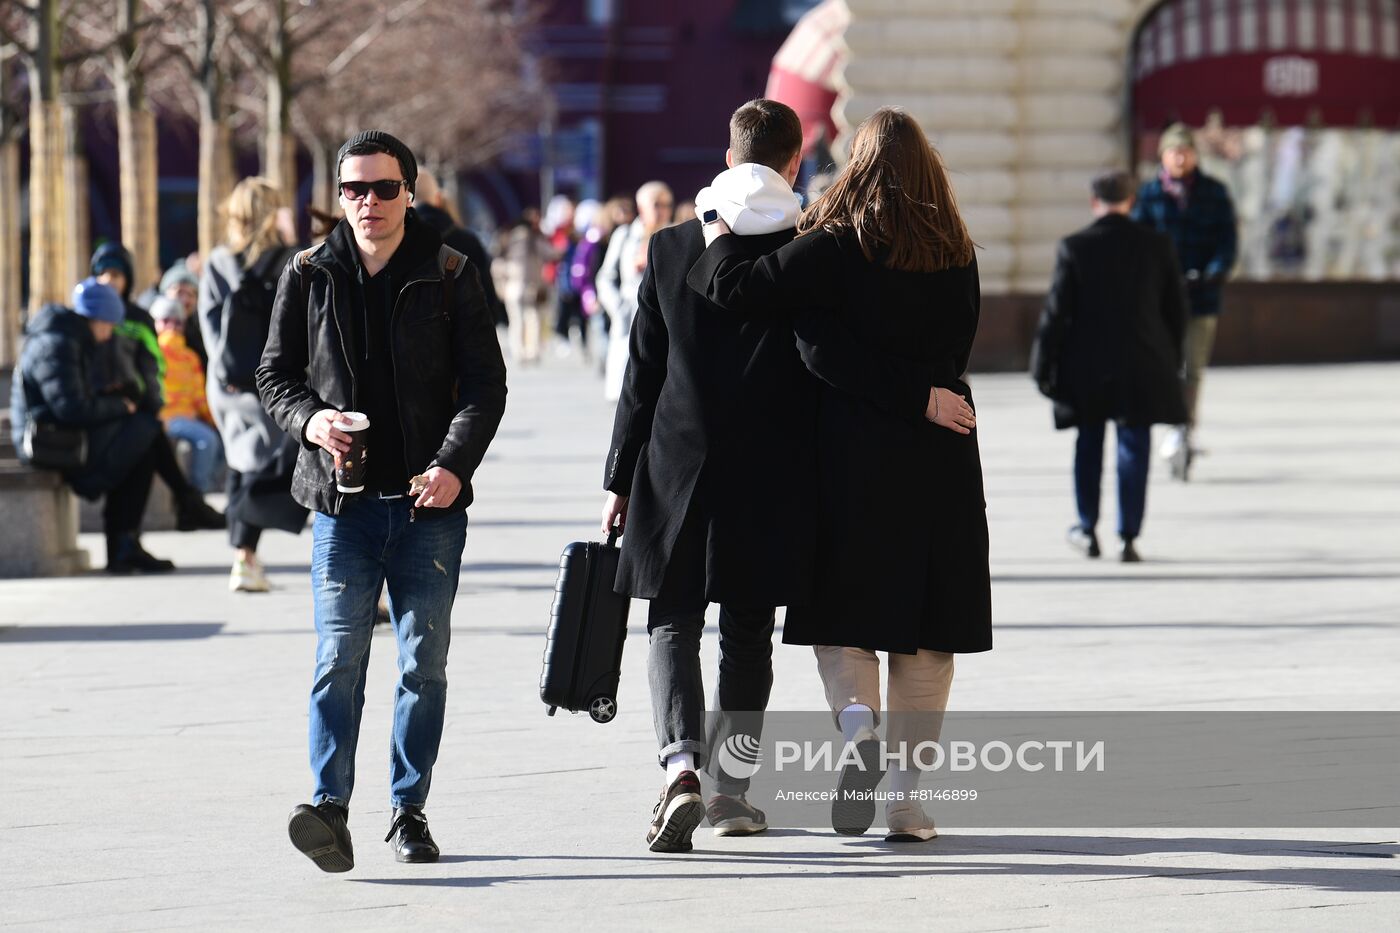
(372, 544)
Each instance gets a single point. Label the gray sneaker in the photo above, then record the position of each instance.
(735, 816)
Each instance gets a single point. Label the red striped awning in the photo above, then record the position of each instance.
(805, 70)
(1336, 62)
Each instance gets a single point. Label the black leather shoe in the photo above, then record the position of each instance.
(409, 836)
(125, 555)
(194, 514)
(321, 834)
(1085, 542)
(1130, 554)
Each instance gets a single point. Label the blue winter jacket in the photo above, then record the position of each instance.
(53, 381)
(1204, 235)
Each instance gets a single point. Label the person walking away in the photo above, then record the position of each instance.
(621, 275)
(901, 561)
(53, 385)
(588, 261)
(568, 304)
(186, 413)
(235, 312)
(1108, 348)
(524, 252)
(712, 473)
(1195, 211)
(385, 320)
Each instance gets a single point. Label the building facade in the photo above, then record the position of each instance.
(1296, 104)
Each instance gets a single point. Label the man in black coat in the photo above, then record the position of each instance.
(713, 470)
(1109, 348)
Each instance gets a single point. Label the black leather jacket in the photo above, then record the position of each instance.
(448, 371)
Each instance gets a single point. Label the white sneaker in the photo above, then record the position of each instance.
(909, 823)
(247, 577)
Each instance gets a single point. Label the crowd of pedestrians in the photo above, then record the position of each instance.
(792, 427)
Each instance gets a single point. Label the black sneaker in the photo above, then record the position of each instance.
(1085, 542)
(853, 810)
(735, 816)
(194, 514)
(1130, 554)
(409, 836)
(676, 815)
(321, 835)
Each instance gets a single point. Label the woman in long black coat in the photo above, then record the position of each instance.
(902, 541)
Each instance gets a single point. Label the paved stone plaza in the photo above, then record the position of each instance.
(154, 729)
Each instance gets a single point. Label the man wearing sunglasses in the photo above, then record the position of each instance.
(381, 318)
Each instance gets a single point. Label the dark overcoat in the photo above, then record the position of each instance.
(718, 418)
(1108, 346)
(901, 517)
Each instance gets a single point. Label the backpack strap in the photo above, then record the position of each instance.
(450, 261)
(303, 261)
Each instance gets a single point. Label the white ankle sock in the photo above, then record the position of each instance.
(675, 764)
(903, 782)
(854, 718)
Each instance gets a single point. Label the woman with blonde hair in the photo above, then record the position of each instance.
(235, 312)
(902, 539)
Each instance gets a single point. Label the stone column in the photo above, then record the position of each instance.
(1025, 100)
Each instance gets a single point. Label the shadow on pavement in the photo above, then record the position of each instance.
(117, 631)
(945, 853)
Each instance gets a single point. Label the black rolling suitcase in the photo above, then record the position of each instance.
(587, 626)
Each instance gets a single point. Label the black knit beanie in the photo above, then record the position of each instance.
(407, 163)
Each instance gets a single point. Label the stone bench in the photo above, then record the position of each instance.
(39, 514)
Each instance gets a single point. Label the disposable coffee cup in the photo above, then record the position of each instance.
(350, 466)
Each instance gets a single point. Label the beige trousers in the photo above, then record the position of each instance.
(917, 689)
(1200, 341)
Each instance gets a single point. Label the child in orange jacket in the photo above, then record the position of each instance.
(186, 412)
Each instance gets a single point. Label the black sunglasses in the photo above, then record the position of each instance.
(384, 190)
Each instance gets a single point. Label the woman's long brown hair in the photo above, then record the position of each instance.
(895, 197)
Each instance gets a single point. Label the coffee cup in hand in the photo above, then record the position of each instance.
(350, 465)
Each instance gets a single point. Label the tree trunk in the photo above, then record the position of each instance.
(279, 145)
(214, 162)
(74, 234)
(215, 158)
(10, 296)
(323, 192)
(45, 162)
(136, 156)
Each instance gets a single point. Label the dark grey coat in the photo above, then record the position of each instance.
(1109, 342)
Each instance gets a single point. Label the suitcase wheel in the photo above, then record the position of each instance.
(553, 710)
(602, 709)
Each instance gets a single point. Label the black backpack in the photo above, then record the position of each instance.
(246, 318)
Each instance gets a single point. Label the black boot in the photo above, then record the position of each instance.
(409, 836)
(1130, 554)
(194, 514)
(125, 555)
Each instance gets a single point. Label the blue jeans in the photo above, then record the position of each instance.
(1134, 455)
(370, 544)
(206, 450)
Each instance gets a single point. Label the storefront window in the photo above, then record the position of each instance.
(1312, 204)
